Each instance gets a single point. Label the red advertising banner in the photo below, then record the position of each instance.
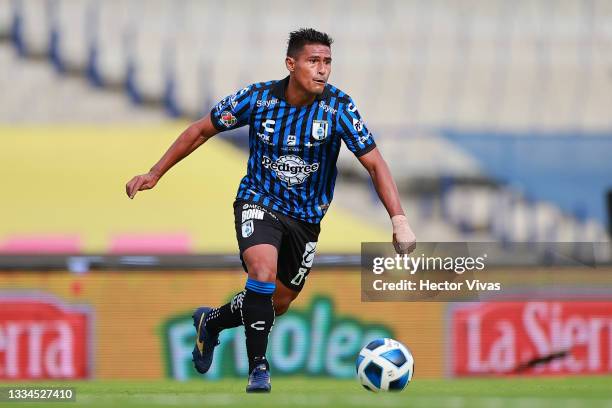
(537, 338)
(41, 338)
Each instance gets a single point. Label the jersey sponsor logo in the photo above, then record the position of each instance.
(268, 125)
(252, 214)
(247, 229)
(228, 119)
(327, 108)
(351, 107)
(265, 138)
(290, 169)
(358, 124)
(307, 260)
(266, 103)
(319, 129)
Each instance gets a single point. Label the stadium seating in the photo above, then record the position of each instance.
(416, 69)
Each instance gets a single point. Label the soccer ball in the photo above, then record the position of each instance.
(385, 365)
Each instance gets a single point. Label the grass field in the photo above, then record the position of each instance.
(305, 392)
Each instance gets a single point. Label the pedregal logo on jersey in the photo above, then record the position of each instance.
(290, 168)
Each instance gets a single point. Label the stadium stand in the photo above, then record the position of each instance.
(427, 76)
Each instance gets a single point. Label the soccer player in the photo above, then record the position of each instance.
(297, 125)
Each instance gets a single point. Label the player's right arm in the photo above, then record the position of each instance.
(193, 137)
(230, 113)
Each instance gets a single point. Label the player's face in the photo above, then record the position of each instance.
(311, 67)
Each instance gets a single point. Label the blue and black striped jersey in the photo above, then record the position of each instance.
(293, 150)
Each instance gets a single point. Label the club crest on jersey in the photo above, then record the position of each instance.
(228, 119)
(319, 129)
(247, 228)
(290, 169)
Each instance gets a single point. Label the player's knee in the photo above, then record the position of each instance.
(262, 271)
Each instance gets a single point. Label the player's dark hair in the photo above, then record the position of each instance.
(299, 38)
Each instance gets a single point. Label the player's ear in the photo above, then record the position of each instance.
(290, 64)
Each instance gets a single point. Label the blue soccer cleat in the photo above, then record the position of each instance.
(259, 379)
(205, 342)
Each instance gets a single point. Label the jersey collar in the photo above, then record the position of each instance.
(278, 90)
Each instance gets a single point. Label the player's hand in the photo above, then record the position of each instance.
(404, 239)
(142, 182)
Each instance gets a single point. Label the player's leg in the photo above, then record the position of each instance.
(282, 298)
(230, 314)
(295, 259)
(257, 309)
(259, 233)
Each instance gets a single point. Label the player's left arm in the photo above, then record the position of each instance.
(403, 237)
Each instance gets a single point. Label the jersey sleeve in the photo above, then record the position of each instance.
(353, 130)
(233, 111)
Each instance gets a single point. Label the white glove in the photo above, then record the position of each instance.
(404, 239)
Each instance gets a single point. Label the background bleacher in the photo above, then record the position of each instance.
(494, 115)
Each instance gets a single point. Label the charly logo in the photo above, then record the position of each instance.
(319, 129)
(290, 169)
(268, 125)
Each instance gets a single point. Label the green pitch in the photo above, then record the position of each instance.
(306, 392)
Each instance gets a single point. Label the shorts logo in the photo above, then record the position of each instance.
(252, 214)
(319, 129)
(309, 253)
(307, 260)
(290, 169)
(358, 124)
(228, 119)
(247, 229)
